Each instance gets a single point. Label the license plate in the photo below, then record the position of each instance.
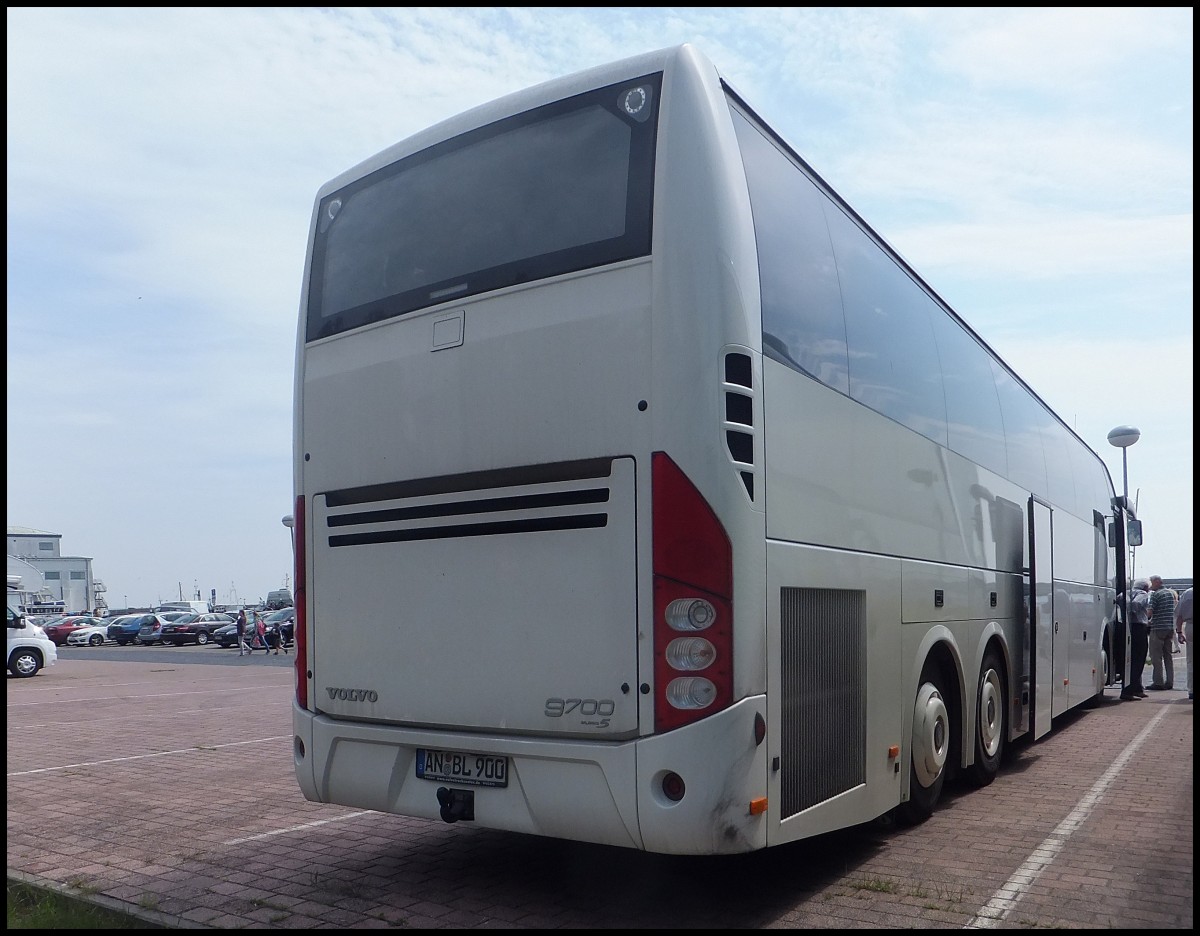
(461, 767)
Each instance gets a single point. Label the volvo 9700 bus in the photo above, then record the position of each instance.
(644, 495)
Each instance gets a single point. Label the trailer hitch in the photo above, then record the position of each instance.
(456, 804)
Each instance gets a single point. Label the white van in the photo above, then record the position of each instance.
(197, 607)
(29, 649)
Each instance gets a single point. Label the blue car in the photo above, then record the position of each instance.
(124, 630)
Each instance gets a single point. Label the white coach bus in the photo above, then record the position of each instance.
(645, 496)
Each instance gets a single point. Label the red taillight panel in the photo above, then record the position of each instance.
(300, 602)
(689, 543)
(693, 559)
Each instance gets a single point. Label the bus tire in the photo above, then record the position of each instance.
(930, 748)
(991, 726)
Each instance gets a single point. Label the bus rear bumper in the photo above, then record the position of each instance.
(565, 789)
(571, 789)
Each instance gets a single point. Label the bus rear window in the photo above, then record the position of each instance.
(565, 187)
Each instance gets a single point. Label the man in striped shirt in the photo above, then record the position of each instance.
(1162, 634)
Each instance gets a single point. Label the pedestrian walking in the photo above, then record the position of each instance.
(260, 631)
(1183, 630)
(1139, 623)
(1162, 633)
(243, 647)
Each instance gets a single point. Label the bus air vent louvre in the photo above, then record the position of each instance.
(823, 727)
(534, 499)
(738, 387)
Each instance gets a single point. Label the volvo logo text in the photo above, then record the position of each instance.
(353, 695)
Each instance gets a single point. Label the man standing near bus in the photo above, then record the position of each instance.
(1139, 622)
(1162, 633)
(1183, 630)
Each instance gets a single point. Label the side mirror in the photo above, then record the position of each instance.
(1134, 535)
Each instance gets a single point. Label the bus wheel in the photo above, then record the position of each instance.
(990, 724)
(930, 749)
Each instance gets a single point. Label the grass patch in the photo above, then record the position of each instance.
(876, 885)
(32, 907)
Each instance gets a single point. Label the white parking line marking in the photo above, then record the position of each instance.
(132, 757)
(149, 695)
(307, 825)
(1005, 900)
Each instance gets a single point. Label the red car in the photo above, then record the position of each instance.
(193, 628)
(59, 630)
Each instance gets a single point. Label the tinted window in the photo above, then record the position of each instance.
(974, 426)
(1023, 417)
(564, 187)
(802, 320)
(1060, 482)
(1092, 484)
(894, 366)
(837, 306)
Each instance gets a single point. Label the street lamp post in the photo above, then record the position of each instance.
(1123, 437)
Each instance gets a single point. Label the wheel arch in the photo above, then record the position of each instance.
(939, 646)
(33, 651)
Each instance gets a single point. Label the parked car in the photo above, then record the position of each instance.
(226, 635)
(150, 632)
(59, 630)
(124, 630)
(29, 649)
(281, 622)
(93, 635)
(194, 628)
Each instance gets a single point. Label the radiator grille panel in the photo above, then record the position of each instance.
(823, 744)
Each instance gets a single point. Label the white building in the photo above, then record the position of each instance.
(66, 582)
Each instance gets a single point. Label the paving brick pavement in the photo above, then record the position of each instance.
(161, 783)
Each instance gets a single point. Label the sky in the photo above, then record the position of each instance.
(1034, 166)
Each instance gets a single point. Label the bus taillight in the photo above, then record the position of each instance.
(300, 602)
(693, 601)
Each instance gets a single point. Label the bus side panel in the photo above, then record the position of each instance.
(1083, 607)
(835, 673)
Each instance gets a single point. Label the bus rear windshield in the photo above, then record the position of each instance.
(564, 187)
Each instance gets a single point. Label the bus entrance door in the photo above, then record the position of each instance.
(1042, 621)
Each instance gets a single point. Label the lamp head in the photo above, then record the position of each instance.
(1124, 436)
